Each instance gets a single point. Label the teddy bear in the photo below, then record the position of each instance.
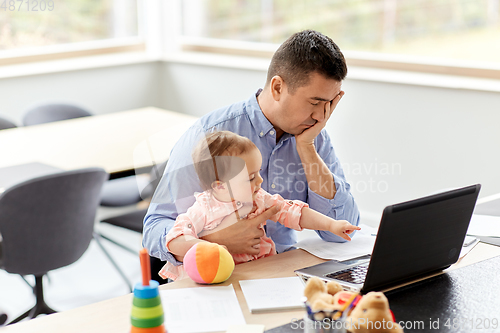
(321, 296)
(367, 314)
(372, 314)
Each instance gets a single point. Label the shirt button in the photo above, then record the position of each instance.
(261, 134)
(273, 186)
(272, 153)
(238, 203)
(271, 132)
(189, 225)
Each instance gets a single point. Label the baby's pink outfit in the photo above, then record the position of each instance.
(208, 212)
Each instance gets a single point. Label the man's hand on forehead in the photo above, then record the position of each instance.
(307, 136)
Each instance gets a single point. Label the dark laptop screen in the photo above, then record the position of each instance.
(420, 236)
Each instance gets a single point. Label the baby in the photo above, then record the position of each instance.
(228, 167)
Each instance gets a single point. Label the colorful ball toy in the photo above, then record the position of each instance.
(147, 311)
(208, 263)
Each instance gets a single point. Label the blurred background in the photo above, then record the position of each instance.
(450, 29)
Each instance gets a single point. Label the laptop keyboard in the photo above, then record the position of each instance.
(354, 274)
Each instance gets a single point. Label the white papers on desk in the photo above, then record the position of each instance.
(280, 294)
(203, 309)
(467, 249)
(361, 244)
(484, 225)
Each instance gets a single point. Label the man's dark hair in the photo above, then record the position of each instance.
(303, 53)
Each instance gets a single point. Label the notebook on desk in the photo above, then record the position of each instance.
(414, 239)
(278, 294)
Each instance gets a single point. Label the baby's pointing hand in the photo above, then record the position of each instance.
(344, 228)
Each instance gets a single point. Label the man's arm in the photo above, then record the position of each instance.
(328, 193)
(157, 223)
(319, 177)
(173, 196)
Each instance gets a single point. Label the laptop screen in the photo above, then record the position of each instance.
(420, 236)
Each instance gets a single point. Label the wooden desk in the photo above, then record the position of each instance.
(117, 142)
(113, 315)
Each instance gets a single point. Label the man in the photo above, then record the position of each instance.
(286, 122)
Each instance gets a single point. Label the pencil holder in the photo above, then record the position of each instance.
(147, 312)
(325, 325)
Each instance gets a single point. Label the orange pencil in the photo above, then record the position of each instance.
(346, 305)
(145, 267)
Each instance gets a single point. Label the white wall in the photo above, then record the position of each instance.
(199, 89)
(395, 141)
(101, 90)
(409, 141)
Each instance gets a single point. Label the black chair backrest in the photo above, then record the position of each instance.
(47, 222)
(53, 112)
(6, 124)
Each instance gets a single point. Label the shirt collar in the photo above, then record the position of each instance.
(259, 122)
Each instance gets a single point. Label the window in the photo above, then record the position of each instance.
(28, 25)
(437, 30)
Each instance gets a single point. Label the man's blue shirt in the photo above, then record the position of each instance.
(282, 172)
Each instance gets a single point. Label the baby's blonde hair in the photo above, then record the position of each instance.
(215, 157)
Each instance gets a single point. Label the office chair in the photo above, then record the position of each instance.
(47, 223)
(115, 193)
(123, 192)
(47, 113)
(6, 124)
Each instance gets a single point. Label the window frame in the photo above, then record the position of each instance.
(120, 45)
(74, 50)
(474, 69)
(160, 35)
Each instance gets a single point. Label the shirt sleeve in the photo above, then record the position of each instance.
(342, 206)
(173, 196)
(290, 210)
(189, 224)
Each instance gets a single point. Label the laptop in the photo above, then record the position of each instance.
(415, 239)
